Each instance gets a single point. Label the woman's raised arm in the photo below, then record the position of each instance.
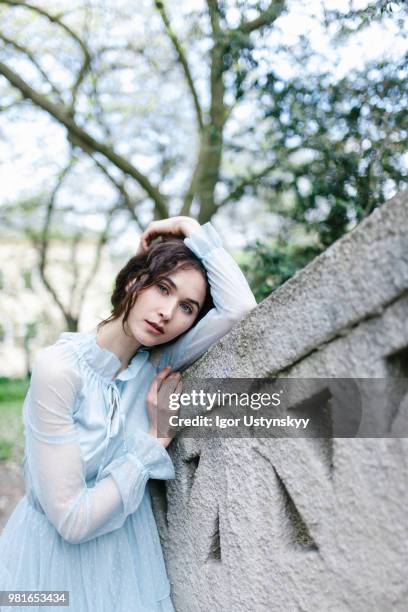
(230, 292)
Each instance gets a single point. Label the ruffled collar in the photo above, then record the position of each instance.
(102, 361)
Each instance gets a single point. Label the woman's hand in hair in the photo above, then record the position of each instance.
(174, 226)
(158, 404)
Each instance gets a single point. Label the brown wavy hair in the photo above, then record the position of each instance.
(142, 271)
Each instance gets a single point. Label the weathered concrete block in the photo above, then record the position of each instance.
(304, 524)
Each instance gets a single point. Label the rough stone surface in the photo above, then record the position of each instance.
(304, 524)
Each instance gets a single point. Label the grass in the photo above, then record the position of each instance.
(12, 393)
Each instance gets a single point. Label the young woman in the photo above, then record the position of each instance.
(86, 525)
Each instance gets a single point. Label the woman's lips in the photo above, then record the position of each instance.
(154, 329)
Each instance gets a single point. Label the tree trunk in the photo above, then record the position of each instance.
(72, 322)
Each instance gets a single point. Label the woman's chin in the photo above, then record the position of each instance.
(146, 339)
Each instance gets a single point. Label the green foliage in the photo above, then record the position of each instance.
(270, 266)
(12, 389)
(339, 146)
(338, 149)
(12, 393)
(31, 331)
(355, 20)
(5, 450)
(322, 152)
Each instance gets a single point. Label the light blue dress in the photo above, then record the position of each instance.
(86, 524)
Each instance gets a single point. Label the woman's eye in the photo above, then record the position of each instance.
(186, 308)
(163, 289)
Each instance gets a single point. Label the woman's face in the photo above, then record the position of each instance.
(168, 308)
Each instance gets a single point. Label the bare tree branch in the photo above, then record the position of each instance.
(217, 107)
(206, 174)
(182, 59)
(97, 108)
(268, 16)
(189, 195)
(5, 107)
(214, 12)
(75, 272)
(86, 65)
(120, 186)
(43, 245)
(57, 19)
(102, 240)
(77, 291)
(244, 183)
(53, 19)
(27, 52)
(78, 136)
(83, 71)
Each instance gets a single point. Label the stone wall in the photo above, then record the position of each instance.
(260, 525)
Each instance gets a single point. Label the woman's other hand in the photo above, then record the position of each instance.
(163, 385)
(174, 226)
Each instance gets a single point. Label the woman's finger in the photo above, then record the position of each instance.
(158, 379)
(150, 232)
(169, 384)
(162, 227)
(153, 230)
(144, 242)
(175, 380)
(162, 375)
(179, 387)
(164, 372)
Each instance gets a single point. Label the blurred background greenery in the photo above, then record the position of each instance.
(283, 122)
(12, 393)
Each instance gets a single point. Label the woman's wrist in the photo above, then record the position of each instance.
(188, 226)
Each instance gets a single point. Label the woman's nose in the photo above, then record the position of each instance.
(166, 311)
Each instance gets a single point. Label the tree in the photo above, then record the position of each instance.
(339, 148)
(59, 63)
(79, 109)
(169, 106)
(33, 219)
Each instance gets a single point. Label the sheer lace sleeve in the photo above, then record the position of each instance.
(54, 460)
(231, 295)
